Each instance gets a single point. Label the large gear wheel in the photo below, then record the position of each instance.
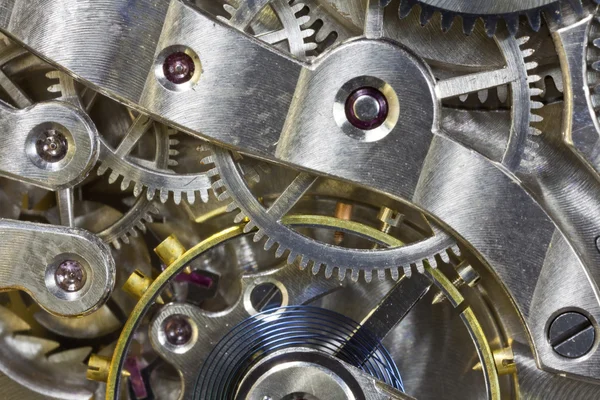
(490, 11)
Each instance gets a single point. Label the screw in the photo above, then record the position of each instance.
(51, 146)
(179, 67)
(70, 276)
(572, 335)
(178, 330)
(367, 108)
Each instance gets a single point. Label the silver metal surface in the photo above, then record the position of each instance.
(32, 252)
(22, 128)
(277, 377)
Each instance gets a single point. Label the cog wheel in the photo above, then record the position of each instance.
(231, 184)
(155, 179)
(140, 212)
(490, 11)
(291, 30)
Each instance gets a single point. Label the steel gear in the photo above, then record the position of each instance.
(149, 179)
(490, 11)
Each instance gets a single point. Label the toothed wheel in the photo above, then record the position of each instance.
(291, 28)
(230, 183)
(490, 11)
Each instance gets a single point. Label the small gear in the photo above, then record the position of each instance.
(153, 178)
(490, 11)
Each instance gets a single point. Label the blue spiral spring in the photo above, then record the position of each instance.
(287, 327)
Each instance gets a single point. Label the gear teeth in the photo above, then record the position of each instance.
(329, 271)
(269, 243)
(303, 262)
(258, 236)
(279, 251)
(292, 256)
(315, 268)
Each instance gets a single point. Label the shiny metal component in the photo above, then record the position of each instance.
(149, 180)
(56, 144)
(277, 377)
(34, 363)
(36, 255)
(490, 11)
(572, 335)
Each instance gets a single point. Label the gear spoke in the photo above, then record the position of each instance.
(136, 131)
(471, 83)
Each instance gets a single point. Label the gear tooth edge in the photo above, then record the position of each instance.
(534, 17)
(137, 189)
(172, 163)
(125, 239)
(522, 40)
(116, 244)
(420, 266)
(303, 20)
(445, 256)
(394, 273)
(297, 7)
(239, 217)
(291, 258)
(354, 274)
(512, 23)
(279, 251)
(368, 274)
(534, 118)
(483, 95)
(303, 263)
(381, 274)
(533, 78)
(447, 21)
(455, 250)
(113, 177)
(406, 6)
(231, 10)
(535, 92)
(490, 24)
(257, 236)
(329, 271)
(315, 268)
(125, 184)
(231, 207)
(468, 23)
(176, 197)
(190, 197)
(531, 65)
(527, 52)
(306, 33)
(534, 131)
(150, 193)
(426, 15)
(269, 243)
(342, 271)
(102, 168)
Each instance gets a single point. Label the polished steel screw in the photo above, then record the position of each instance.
(52, 146)
(572, 335)
(178, 330)
(70, 276)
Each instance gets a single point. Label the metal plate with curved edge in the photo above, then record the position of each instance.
(18, 158)
(32, 250)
